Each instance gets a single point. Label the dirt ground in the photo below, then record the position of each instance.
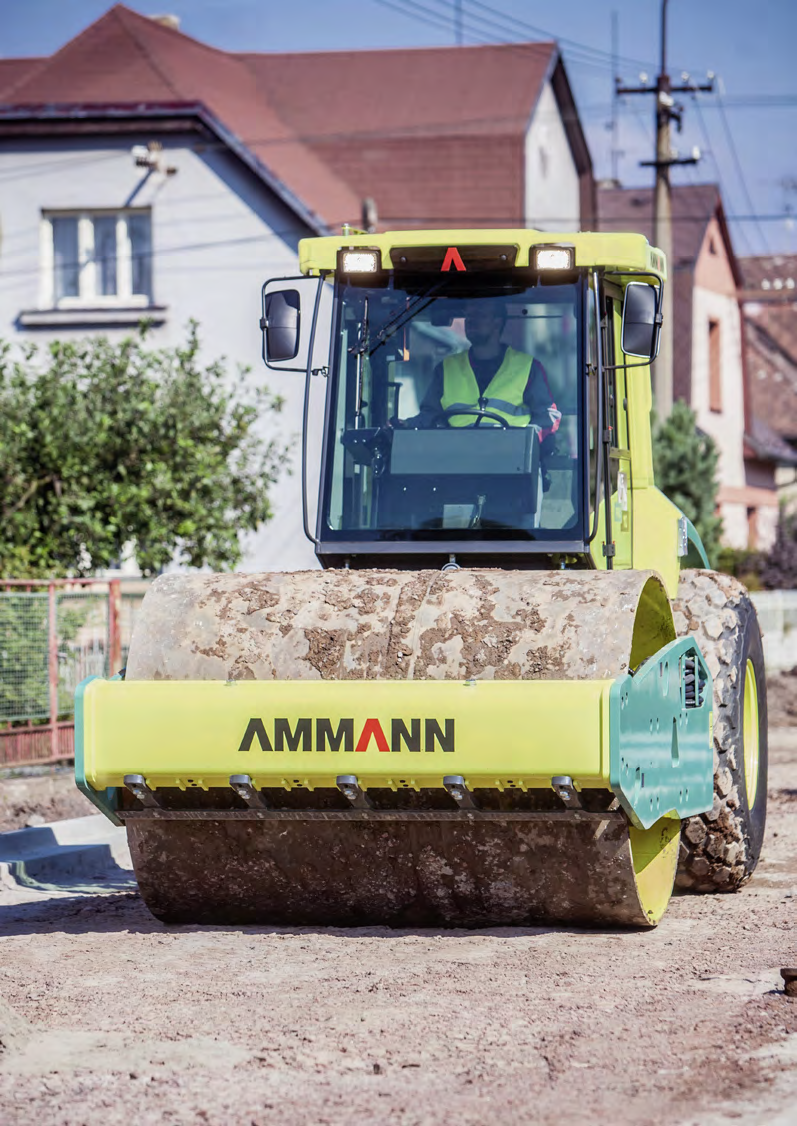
(106, 1016)
(46, 794)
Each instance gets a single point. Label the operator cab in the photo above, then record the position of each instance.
(466, 406)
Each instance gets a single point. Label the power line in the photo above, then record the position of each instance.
(506, 24)
(415, 10)
(739, 169)
(431, 18)
(508, 222)
(512, 222)
(710, 150)
(502, 28)
(23, 172)
(594, 111)
(605, 57)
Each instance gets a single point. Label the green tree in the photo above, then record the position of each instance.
(685, 466)
(105, 445)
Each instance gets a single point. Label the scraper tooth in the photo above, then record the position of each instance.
(349, 786)
(456, 787)
(242, 785)
(566, 791)
(137, 785)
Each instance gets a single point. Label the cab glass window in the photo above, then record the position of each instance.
(456, 408)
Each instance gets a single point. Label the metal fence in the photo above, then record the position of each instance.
(52, 635)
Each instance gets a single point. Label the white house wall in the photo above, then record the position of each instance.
(726, 427)
(552, 196)
(217, 234)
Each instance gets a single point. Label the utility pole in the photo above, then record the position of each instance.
(666, 112)
(615, 126)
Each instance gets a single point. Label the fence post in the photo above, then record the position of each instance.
(52, 655)
(114, 630)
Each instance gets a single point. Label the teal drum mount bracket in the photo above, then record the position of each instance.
(660, 727)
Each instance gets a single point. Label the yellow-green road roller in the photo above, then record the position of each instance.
(513, 691)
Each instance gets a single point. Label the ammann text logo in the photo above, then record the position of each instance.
(325, 735)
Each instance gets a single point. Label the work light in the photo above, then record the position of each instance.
(359, 261)
(553, 257)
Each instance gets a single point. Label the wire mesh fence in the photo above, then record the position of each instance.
(52, 636)
(24, 685)
(83, 641)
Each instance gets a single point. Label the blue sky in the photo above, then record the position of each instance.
(746, 134)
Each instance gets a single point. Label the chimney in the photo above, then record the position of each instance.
(167, 21)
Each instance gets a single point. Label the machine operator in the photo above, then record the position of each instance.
(490, 376)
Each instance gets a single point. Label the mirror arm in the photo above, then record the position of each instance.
(263, 322)
(306, 409)
(625, 367)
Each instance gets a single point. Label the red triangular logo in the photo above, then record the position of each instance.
(452, 258)
(372, 729)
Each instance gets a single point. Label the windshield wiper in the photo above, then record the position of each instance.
(359, 349)
(417, 305)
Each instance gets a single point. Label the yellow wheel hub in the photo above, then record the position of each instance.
(751, 744)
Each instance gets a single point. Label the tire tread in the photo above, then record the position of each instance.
(718, 849)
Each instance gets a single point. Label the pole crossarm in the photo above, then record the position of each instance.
(692, 88)
(669, 162)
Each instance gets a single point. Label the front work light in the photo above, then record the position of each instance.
(359, 261)
(553, 258)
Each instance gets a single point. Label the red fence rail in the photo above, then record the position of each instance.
(52, 634)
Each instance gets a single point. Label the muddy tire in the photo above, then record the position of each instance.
(720, 849)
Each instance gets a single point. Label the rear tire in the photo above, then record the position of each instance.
(720, 849)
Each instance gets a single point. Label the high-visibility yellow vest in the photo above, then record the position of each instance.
(503, 394)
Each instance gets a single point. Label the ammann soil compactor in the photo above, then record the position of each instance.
(514, 690)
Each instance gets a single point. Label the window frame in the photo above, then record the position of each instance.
(350, 541)
(88, 296)
(714, 365)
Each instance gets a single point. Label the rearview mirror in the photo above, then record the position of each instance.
(283, 317)
(641, 321)
(289, 308)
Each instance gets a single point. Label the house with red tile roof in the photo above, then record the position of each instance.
(143, 173)
(769, 303)
(710, 365)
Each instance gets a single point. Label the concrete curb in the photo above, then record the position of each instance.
(65, 853)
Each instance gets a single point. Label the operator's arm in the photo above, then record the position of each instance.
(539, 399)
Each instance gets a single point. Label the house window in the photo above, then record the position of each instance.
(97, 258)
(752, 529)
(714, 367)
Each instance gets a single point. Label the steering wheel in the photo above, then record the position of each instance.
(444, 416)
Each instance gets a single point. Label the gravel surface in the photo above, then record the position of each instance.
(106, 1016)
